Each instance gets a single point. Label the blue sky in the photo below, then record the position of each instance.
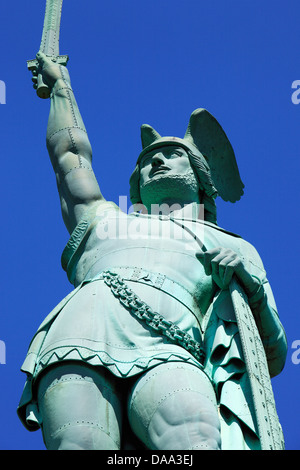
(135, 62)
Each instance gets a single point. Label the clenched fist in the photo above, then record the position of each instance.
(51, 72)
(222, 264)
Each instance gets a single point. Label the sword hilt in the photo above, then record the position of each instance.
(43, 91)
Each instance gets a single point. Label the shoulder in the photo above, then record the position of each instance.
(90, 217)
(221, 229)
(101, 207)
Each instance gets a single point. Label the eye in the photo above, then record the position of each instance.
(145, 160)
(176, 153)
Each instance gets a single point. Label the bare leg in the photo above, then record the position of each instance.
(80, 408)
(173, 407)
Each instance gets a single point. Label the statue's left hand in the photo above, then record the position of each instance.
(222, 264)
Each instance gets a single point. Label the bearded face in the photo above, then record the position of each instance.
(166, 177)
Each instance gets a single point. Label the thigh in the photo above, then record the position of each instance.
(173, 406)
(80, 408)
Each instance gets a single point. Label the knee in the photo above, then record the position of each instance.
(81, 436)
(175, 411)
(190, 423)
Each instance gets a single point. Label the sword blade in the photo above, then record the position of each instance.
(49, 44)
(269, 428)
(50, 36)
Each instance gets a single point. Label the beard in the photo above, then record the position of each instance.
(176, 189)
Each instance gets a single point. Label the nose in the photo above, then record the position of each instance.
(157, 159)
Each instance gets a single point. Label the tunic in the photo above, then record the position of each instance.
(155, 255)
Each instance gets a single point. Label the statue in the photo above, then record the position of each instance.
(171, 334)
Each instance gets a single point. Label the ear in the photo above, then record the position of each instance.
(148, 135)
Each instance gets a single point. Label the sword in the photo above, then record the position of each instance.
(269, 428)
(49, 44)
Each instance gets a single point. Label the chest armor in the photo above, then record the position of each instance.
(162, 245)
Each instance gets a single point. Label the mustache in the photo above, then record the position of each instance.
(155, 169)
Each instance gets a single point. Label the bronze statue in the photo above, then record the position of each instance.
(171, 333)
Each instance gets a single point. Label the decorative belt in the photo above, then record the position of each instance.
(161, 282)
(154, 320)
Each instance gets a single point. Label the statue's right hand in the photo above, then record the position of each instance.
(50, 71)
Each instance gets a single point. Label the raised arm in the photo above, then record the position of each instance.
(68, 146)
